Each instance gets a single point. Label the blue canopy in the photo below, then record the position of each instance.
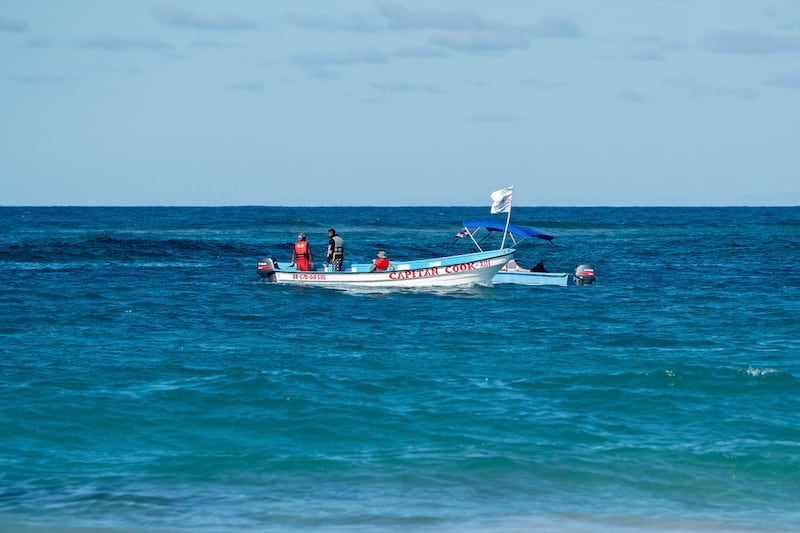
(493, 225)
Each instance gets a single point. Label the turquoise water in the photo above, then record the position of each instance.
(150, 381)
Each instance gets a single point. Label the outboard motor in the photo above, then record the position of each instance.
(266, 268)
(584, 275)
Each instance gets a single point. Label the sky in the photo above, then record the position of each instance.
(348, 103)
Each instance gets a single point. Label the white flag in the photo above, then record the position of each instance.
(501, 200)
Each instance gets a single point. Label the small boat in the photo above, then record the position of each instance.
(477, 268)
(512, 272)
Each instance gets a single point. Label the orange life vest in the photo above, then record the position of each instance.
(301, 249)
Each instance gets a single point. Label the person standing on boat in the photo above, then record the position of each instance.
(335, 250)
(381, 263)
(302, 253)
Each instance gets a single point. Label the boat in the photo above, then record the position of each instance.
(478, 230)
(475, 268)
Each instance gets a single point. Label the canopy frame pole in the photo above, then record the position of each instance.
(471, 236)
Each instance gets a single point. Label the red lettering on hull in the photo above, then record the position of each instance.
(411, 274)
(319, 277)
(454, 269)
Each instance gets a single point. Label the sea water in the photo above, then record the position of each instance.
(149, 380)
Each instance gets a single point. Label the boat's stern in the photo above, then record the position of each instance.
(266, 269)
(584, 275)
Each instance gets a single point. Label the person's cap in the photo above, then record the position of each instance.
(332, 231)
(301, 235)
(382, 254)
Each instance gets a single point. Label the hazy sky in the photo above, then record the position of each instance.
(407, 102)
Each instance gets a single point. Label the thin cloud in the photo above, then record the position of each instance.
(183, 18)
(556, 28)
(399, 86)
(13, 26)
(401, 17)
(256, 87)
(39, 42)
(481, 41)
(542, 85)
(456, 30)
(352, 23)
(493, 118)
(118, 44)
(647, 54)
(748, 42)
(214, 45)
(319, 65)
(467, 31)
(349, 57)
(654, 48)
(659, 42)
(694, 89)
(36, 79)
(323, 73)
(785, 80)
(419, 52)
(631, 96)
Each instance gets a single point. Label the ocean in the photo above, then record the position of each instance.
(150, 381)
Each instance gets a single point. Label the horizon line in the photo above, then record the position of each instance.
(350, 206)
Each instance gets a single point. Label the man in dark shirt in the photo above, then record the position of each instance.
(335, 250)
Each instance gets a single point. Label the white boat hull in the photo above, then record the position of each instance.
(560, 279)
(467, 269)
(584, 275)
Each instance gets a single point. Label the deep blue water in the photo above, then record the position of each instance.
(150, 381)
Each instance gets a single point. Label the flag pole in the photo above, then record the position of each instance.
(508, 220)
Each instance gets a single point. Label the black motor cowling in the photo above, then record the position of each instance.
(584, 275)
